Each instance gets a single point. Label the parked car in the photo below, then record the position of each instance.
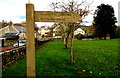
(21, 43)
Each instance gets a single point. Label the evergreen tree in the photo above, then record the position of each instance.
(104, 21)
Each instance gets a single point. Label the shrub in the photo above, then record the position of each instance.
(117, 35)
(79, 36)
(90, 36)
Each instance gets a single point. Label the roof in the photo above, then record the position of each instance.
(79, 31)
(20, 28)
(9, 34)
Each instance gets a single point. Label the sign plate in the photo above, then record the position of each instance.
(50, 16)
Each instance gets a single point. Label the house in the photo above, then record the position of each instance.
(49, 32)
(57, 31)
(79, 31)
(90, 30)
(44, 32)
(13, 30)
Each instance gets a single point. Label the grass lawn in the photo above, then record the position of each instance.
(92, 58)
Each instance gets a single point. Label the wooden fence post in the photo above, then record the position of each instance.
(30, 37)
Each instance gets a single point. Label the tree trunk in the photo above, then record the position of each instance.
(66, 35)
(72, 45)
(104, 37)
(72, 51)
(66, 42)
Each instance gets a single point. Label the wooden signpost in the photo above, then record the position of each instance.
(30, 36)
(41, 16)
(50, 16)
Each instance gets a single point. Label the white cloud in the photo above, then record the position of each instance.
(12, 9)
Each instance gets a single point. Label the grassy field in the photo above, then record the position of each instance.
(92, 58)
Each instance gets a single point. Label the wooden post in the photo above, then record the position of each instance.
(28, 1)
(2, 44)
(30, 37)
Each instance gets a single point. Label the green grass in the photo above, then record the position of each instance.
(92, 58)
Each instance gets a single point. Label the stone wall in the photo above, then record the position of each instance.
(11, 56)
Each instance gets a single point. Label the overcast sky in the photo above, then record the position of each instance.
(14, 10)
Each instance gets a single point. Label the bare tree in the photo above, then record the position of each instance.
(81, 8)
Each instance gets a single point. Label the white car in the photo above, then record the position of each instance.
(21, 43)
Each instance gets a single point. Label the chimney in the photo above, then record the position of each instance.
(10, 23)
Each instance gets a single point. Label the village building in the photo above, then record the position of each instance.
(12, 30)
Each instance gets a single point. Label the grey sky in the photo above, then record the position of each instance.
(15, 9)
